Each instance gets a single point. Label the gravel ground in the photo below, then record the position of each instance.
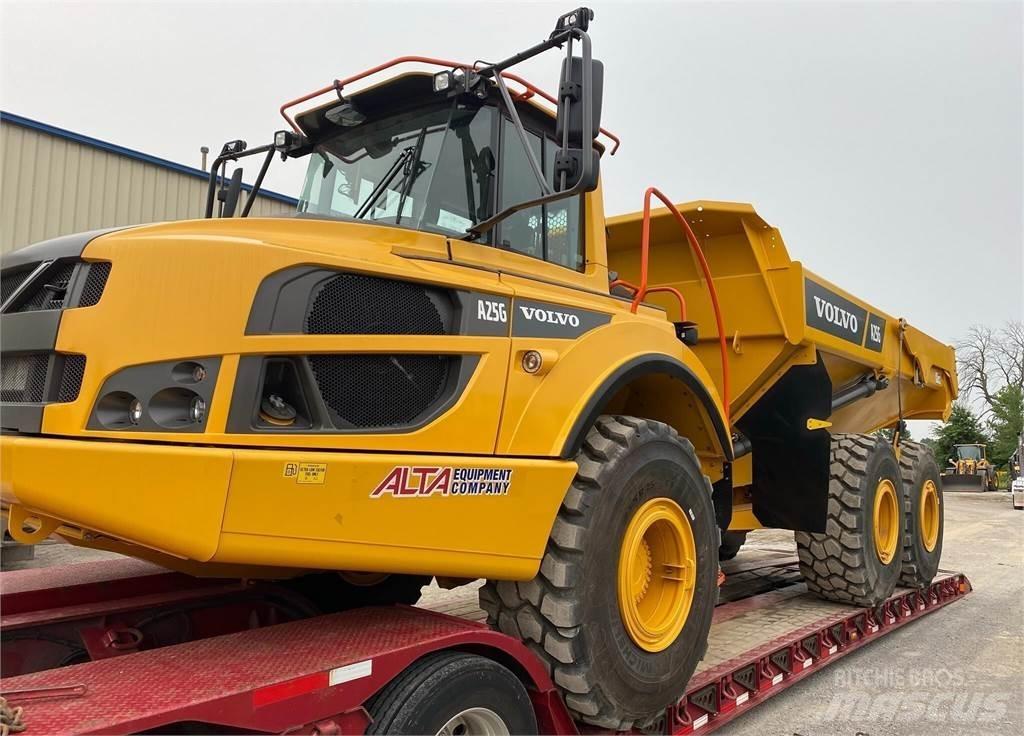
(961, 670)
(958, 671)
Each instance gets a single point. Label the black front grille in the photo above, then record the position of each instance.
(374, 391)
(48, 291)
(71, 378)
(9, 282)
(32, 378)
(23, 378)
(95, 282)
(53, 287)
(352, 304)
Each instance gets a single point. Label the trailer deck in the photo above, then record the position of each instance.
(241, 668)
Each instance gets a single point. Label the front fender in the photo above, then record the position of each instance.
(550, 415)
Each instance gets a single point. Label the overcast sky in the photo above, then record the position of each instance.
(884, 139)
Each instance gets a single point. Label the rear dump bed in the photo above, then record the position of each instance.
(767, 634)
(778, 315)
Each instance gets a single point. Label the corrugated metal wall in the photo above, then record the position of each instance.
(51, 186)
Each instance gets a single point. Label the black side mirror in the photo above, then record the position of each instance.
(578, 124)
(229, 195)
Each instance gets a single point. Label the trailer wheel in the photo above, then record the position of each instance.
(621, 608)
(453, 693)
(923, 511)
(731, 544)
(857, 560)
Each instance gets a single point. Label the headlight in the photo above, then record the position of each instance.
(156, 397)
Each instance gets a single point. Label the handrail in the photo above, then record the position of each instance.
(641, 290)
(669, 289)
(338, 84)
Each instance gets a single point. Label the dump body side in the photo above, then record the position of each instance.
(778, 315)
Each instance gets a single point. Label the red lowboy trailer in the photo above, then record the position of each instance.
(124, 647)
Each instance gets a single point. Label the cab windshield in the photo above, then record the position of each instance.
(968, 453)
(429, 168)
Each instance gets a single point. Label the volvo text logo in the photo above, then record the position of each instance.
(550, 316)
(840, 317)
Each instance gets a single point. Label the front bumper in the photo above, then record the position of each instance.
(421, 514)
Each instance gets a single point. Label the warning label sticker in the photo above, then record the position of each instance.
(306, 473)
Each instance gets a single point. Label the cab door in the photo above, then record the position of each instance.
(552, 259)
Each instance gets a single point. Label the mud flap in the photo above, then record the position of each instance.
(791, 462)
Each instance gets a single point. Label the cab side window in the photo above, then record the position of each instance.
(550, 232)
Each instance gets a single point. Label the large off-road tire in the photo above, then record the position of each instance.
(731, 543)
(857, 560)
(453, 693)
(923, 514)
(620, 630)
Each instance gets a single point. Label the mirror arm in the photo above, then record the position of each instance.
(484, 226)
(518, 124)
(221, 163)
(258, 183)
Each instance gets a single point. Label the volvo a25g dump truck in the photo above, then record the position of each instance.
(450, 363)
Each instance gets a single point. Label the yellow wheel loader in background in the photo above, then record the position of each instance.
(450, 363)
(970, 470)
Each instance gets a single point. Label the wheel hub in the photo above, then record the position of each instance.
(886, 521)
(657, 574)
(475, 722)
(929, 515)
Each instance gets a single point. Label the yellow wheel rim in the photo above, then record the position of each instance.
(887, 521)
(657, 574)
(929, 515)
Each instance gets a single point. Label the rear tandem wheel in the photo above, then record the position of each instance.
(858, 558)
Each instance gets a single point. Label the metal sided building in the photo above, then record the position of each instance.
(54, 182)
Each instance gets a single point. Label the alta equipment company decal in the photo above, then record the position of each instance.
(415, 481)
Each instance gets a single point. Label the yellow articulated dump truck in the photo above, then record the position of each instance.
(450, 363)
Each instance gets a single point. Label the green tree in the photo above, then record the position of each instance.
(962, 428)
(1005, 423)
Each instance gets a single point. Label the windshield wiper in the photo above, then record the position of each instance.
(412, 172)
(384, 183)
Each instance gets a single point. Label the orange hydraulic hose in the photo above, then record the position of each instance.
(340, 83)
(642, 290)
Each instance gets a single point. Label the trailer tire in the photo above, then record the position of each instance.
(639, 492)
(924, 511)
(731, 544)
(453, 692)
(857, 560)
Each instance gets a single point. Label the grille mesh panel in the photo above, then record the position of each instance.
(71, 379)
(11, 281)
(49, 291)
(95, 282)
(352, 304)
(23, 378)
(374, 391)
